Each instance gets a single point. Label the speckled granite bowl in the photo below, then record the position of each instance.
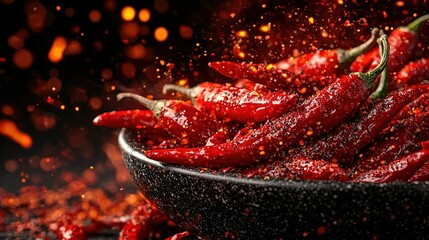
(218, 206)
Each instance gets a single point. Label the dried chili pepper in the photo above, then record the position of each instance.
(316, 116)
(402, 138)
(399, 170)
(348, 139)
(250, 85)
(402, 41)
(299, 168)
(412, 73)
(131, 119)
(184, 122)
(274, 77)
(422, 174)
(237, 104)
(142, 221)
(309, 169)
(328, 62)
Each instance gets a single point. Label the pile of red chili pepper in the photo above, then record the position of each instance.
(359, 115)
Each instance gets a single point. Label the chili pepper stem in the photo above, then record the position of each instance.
(381, 90)
(189, 92)
(369, 77)
(416, 24)
(346, 57)
(154, 105)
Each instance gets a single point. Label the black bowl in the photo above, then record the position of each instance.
(225, 206)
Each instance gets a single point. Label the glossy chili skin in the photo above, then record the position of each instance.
(422, 174)
(274, 77)
(399, 170)
(413, 73)
(144, 121)
(181, 120)
(188, 124)
(316, 116)
(332, 62)
(399, 139)
(130, 119)
(348, 139)
(242, 105)
(322, 62)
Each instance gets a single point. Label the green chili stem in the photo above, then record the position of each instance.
(416, 24)
(346, 57)
(369, 77)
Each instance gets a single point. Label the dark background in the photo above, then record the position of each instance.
(65, 143)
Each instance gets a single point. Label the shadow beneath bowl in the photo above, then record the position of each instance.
(224, 206)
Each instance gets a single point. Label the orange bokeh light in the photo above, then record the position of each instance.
(128, 13)
(144, 15)
(10, 130)
(23, 58)
(186, 32)
(94, 16)
(161, 34)
(58, 47)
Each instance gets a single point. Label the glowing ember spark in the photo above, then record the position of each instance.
(10, 130)
(265, 28)
(242, 34)
(182, 82)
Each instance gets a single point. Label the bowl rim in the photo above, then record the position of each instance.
(129, 148)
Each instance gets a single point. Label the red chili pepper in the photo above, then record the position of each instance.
(142, 222)
(250, 85)
(299, 168)
(422, 174)
(184, 122)
(351, 137)
(316, 116)
(402, 41)
(398, 170)
(398, 140)
(178, 236)
(274, 77)
(412, 73)
(327, 62)
(237, 104)
(130, 119)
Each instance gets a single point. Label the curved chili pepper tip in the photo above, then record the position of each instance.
(154, 105)
(369, 77)
(346, 57)
(416, 24)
